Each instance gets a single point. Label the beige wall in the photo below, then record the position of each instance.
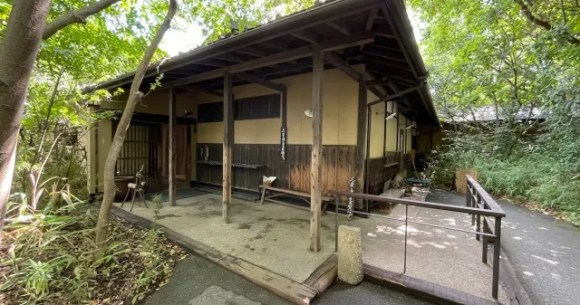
(339, 121)
(157, 102)
(377, 127)
(340, 94)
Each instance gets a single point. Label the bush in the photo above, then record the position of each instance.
(542, 169)
(49, 258)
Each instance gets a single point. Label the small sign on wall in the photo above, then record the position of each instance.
(283, 136)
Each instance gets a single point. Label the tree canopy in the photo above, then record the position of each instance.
(516, 56)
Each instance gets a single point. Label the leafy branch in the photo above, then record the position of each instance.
(77, 16)
(571, 37)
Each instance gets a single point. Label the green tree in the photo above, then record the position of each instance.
(514, 56)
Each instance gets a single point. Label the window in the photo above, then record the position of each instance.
(257, 107)
(212, 112)
(251, 108)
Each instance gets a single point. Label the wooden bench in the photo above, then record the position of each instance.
(277, 192)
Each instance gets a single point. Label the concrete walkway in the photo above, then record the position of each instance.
(197, 281)
(544, 251)
(275, 237)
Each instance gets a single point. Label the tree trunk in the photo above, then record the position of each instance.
(18, 52)
(134, 96)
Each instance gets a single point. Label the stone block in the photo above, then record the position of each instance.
(350, 262)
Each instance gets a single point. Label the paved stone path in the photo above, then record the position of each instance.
(544, 251)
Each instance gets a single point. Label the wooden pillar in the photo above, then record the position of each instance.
(315, 176)
(228, 144)
(171, 147)
(385, 129)
(361, 135)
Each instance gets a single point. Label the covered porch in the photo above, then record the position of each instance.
(271, 240)
(349, 88)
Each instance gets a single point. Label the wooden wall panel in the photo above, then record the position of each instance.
(383, 169)
(338, 165)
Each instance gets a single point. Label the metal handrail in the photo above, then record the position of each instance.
(489, 209)
(423, 204)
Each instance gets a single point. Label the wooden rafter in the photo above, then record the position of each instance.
(336, 61)
(253, 78)
(400, 43)
(341, 28)
(372, 17)
(231, 57)
(329, 45)
(306, 36)
(252, 52)
(397, 94)
(197, 89)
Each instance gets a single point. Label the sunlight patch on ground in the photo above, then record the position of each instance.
(551, 262)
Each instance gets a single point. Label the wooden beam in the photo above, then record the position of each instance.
(370, 22)
(324, 275)
(385, 56)
(361, 134)
(212, 62)
(336, 61)
(329, 45)
(373, 58)
(270, 33)
(315, 164)
(172, 161)
(253, 52)
(341, 28)
(378, 91)
(372, 17)
(228, 145)
(231, 57)
(378, 82)
(395, 95)
(253, 78)
(197, 89)
(399, 42)
(306, 36)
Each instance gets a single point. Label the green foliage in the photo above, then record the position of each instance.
(157, 204)
(490, 53)
(48, 258)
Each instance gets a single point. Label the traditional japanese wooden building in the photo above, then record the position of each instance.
(314, 98)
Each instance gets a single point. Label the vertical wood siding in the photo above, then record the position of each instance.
(338, 165)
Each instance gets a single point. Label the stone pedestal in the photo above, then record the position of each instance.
(350, 263)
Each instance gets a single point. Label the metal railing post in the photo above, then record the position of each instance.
(335, 223)
(496, 251)
(469, 200)
(406, 230)
(484, 250)
(479, 228)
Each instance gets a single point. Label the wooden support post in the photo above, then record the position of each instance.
(361, 135)
(315, 176)
(171, 154)
(228, 144)
(284, 128)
